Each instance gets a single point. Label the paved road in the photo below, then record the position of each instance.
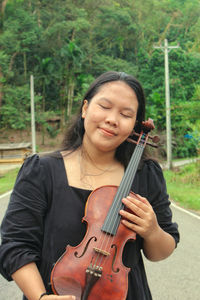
(176, 278)
(8, 290)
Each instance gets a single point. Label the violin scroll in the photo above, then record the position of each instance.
(148, 125)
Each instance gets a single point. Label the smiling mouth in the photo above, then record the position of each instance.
(107, 132)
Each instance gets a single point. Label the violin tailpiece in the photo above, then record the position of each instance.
(92, 275)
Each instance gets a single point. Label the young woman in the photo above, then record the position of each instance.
(49, 197)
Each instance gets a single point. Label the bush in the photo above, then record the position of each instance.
(185, 147)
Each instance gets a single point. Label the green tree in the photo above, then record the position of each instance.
(65, 44)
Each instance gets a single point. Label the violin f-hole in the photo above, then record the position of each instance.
(114, 257)
(86, 246)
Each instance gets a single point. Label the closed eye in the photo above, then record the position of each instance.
(126, 116)
(103, 106)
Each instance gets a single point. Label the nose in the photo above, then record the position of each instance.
(112, 119)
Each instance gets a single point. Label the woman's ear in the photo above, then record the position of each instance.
(84, 108)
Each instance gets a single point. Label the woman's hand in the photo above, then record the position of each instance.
(140, 216)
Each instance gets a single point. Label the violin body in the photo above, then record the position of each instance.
(94, 270)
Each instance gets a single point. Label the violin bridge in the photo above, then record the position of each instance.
(103, 252)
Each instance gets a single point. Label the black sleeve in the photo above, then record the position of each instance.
(159, 199)
(150, 183)
(22, 226)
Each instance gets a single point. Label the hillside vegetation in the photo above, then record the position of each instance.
(66, 44)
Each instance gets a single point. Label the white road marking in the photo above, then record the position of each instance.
(185, 211)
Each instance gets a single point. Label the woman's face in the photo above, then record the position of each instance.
(110, 116)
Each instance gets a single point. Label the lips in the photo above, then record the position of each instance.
(108, 132)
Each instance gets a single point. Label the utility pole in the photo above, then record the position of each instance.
(166, 49)
(32, 115)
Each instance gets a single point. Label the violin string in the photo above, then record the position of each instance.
(108, 237)
(124, 182)
(118, 205)
(99, 255)
(116, 211)
(108, 240)
(124, 192)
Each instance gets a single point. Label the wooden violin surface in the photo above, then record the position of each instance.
(96, 263)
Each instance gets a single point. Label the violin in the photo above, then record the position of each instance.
(93, 270)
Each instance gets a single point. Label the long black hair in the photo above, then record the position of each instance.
(74, 135)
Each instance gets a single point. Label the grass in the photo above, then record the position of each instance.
(7, 180)
(183, 185)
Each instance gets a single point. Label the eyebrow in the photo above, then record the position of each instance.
(125, 108)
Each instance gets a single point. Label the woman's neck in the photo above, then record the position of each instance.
(97, 158)
(92, 170)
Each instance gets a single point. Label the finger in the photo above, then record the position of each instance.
(141, 200)
(136, 206)
(67, 298)
(138, 197)
(56, 297)
(130, 225)
(135, 228)
(131, 218)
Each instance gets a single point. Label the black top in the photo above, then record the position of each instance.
(45, 213)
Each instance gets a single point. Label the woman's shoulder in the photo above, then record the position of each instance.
(39, 173)
(151, 165)
(151, 172)
(37, 164)
(43, 159)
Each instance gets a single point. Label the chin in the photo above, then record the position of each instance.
(107, 148)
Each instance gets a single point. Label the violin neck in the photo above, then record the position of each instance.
(113, 218)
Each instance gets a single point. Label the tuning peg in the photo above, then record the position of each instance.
(155, 138)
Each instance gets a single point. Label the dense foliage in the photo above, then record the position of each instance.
(65, 44)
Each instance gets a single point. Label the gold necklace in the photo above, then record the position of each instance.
(83, 173)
